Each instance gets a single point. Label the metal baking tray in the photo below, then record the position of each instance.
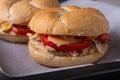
(16, 62)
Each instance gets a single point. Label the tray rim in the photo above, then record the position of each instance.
(78, 72)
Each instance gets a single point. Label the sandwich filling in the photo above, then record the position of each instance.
(70, 45)
(14, 29)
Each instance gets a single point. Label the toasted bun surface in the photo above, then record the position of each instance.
(14, 38)
(49, 59)
(21, 11)
(69, 20)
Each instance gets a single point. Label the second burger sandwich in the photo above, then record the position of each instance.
(15, 15)
(68, 36)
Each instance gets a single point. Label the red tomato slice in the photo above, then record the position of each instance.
(104, 38)
(67, 47)
(21, 30)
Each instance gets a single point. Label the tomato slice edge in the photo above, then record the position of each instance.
(67, 47)
(21, 30)
(105, 38)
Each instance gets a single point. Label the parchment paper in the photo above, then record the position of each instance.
(15, 60)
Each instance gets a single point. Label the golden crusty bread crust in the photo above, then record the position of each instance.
(14, 38)
(69, 20)
(42, 56)
(21, 11)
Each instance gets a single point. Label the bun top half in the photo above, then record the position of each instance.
(69, 20)
(21, 11)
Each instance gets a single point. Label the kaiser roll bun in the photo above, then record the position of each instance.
(69, 20)
(21, 11)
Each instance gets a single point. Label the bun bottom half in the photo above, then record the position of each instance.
(14, 38)
(49, 59)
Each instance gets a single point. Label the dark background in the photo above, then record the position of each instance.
(108, 76)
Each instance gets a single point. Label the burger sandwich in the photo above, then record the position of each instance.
(68, 36)
(15, 15)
